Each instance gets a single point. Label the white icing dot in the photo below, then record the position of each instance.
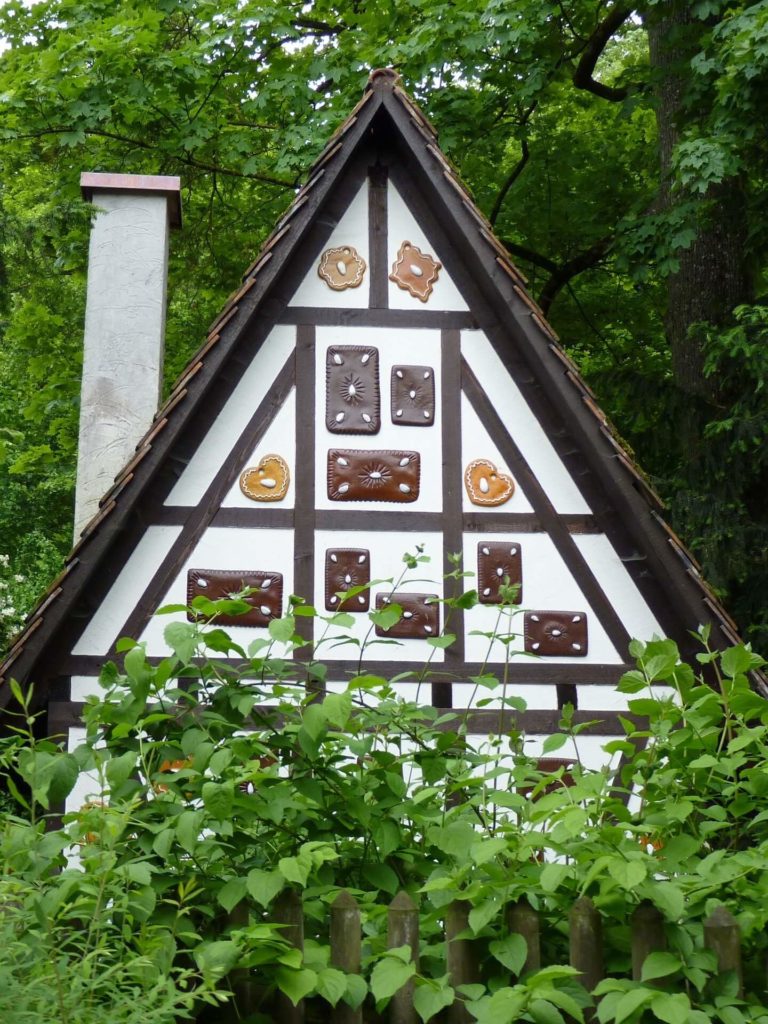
(352, 390)
(484, 485)
(404, 461)
(360, 599)
(375, 475)
(343, 488)
(535, 618)
(576, 647)
(365, 358)
(486, 592)
(415, 270)
(486, 551)
(576, 618)
(405, 488)
(407, 615)
(361, 559)
(399, 373)
(399, 412)
(535, 647)
(337, 359)
(412, 393)
(366, 417)
(266, 584)
(427, 629)
(202, 583)
(339, 417)
(426, 414)
(265, 610)
(341, 266)
(342, 461)
(347, 578)
(513, 551)
(426, 375)
(334, 558)
(557, 632)
(334, 599)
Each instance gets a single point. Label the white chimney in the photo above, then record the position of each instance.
(124, 324)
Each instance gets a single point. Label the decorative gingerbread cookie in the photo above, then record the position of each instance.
(346, 568)
(373, 475)
(553, 634)
(352, 404)
(413, 396)
(268, 481)
(486, 485)
(414, 271)
(342, 268)
(265, 599)
(420, 619)
(499, 565)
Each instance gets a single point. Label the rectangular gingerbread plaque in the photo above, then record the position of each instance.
(420, 618)
(373, 476)
(499, 564)
(266, 601)
(556, 634)
(352, 403)
(346, 568)
(413, 396)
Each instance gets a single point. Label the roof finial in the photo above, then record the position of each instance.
(384, 78)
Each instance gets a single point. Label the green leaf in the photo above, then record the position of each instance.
(429, 999)
(552, 875)
(511, 952)
(484, 912)
(357, 990)
(632, 1001)
(282, 630)
(668, 898)
(381, 876)
(486, 849)
(554, 742)
(659, 965)
(182, 638)
(188, 829)
(737, 660)
(389, 975)
(263, 886)
(673, 1009)
(218, 798)
(296, 984)
(503, 1006)
(386, 618)
(441, 642)
(118, 769)
(543, 1012)
(215, 959)
(331, 984)
(232, 892)
(628, 873)
(338, 708)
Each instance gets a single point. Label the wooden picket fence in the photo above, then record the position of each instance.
(721, 934)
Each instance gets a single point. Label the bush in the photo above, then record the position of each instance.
(217, 789)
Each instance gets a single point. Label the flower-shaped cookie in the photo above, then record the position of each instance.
(415, 271)
(341, 268)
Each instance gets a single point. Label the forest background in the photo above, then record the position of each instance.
(618, 148)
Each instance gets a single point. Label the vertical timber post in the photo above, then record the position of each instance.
(721, 935)
(403, 930)
(346, 953)
(586, 941)
(289, 912)
(647, 930)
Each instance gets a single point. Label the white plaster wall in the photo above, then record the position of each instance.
(409, 347)
(87, 786)
(352, 230)
(523, 427)
(82, 687)
(124, 331)
(104, 626)
(618, 586)
(538, 697)
(547, 584)
(239, 549)
(279, 439)
(254, 385)
(476, 443)
(387, 564)
(402, 226)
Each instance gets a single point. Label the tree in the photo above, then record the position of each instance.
(614, 145)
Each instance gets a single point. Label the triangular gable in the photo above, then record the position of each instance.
(580, 517)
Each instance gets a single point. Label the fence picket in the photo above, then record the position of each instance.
(403, 930)
(721, 935)
(462, 964)
(346, 952)
(523, 920)
(290, 913)
(586, 943)
(647, 927)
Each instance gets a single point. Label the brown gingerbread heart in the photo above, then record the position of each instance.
(268, 481)
(486, 485)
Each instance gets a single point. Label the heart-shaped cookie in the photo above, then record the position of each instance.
(486, 485)
(268, 481)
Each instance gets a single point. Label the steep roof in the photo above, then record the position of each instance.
(620, 493)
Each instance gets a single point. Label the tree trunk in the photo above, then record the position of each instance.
(713, 275)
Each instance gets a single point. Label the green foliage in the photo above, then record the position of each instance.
(238, 98)
(215, 789)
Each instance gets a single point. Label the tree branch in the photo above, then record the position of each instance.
(514, 174)
(565, 273)
(583, 76)
(530, 255)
